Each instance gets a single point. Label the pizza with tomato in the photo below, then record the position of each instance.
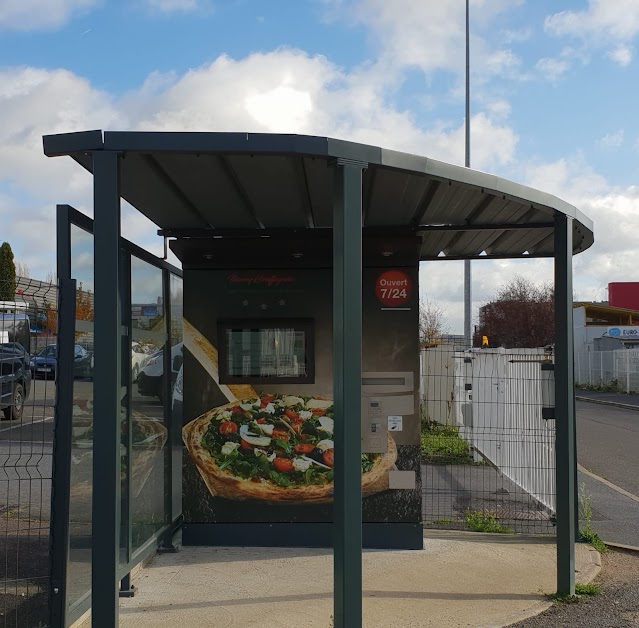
(276, 448)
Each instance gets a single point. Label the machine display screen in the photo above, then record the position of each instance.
(274, 351)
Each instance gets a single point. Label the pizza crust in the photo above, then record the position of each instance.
(221, 483)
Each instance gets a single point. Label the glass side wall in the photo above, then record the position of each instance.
(151, 342)
(176, 288)
(79, 568)
(150, 397)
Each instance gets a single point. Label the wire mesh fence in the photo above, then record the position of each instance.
(614, 371)
(487, 452)
(27, 389)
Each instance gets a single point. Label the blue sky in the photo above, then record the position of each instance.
(554, 92)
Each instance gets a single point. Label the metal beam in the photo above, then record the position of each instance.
(299, 165)
(487, 227)
(160, 172)
(106, 391)
(347, 378)
(564, 407)
(239, 188)
(438, 258)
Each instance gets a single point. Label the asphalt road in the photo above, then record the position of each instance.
(608, 446)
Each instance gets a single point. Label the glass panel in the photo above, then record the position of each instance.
(265, 353)
(79, 569)
(177, 309)
(148, 422)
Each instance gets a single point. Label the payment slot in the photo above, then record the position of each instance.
(388, 399)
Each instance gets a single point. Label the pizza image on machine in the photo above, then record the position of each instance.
(277, 448)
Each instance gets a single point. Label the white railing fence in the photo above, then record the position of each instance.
(494, 399)
(617, 370)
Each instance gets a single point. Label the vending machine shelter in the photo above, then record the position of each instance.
(258, 390)
(298, 384)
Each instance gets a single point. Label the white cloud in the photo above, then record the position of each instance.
(612, 140)
(28, 15)
(552, 69)
(431, 36)
(622, 55)
(281, 91)
(615, 213)
(612, 25)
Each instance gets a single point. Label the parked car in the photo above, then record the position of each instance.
(15, 379)
(45, 363)
(151, 377)
(139, 359)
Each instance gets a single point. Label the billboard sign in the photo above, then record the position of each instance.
(624, 333)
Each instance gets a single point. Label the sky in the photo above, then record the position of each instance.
(554, 91)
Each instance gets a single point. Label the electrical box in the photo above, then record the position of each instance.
(384, 407)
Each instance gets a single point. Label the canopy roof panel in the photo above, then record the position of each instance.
(210, 184)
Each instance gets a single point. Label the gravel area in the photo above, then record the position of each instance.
(616, 607)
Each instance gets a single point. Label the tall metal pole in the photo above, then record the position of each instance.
(565, 454)
(107, 388)
(347, 383)
(467, 271)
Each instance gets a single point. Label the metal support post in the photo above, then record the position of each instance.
(63, 429)
(106, 392)
(127, 589)
(347, 381)
(565, 410)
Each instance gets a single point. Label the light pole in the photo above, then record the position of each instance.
(467, 270)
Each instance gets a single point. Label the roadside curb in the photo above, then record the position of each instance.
(621, 546)
(616, 404)
(587, 572)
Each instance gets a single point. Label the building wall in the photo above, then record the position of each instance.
(624, 294)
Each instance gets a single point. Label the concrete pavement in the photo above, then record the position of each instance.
(459, 579)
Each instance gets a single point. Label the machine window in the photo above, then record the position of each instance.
(267, 352)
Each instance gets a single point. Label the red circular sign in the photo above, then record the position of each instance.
(393, 288)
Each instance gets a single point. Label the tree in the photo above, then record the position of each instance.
(7, 273)
(432, 324)
(521, 314)
(83, 307)
(22, 270)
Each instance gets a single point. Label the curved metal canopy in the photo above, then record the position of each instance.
(210, 184)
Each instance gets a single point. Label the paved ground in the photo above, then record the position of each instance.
(616, 607)
(608, 446)
(460, 579)
(608, 443)
(449, 491)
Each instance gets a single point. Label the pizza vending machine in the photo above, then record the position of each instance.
(257, 392)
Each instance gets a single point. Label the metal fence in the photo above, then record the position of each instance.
(616, 371)
(27, 325)
(488, 455)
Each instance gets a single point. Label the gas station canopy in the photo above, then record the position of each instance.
(204, 185)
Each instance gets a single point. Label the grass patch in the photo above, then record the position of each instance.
(442, 522)
(589, 589)
(442, 444)
(586, 533)
(613, 386)
(483, 522)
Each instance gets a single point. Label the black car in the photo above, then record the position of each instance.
(45, 363)
(15, 379)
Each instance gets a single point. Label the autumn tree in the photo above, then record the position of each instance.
(521, 314)
(83, 307)
(432, 324)
(50, 319)
(7, 273)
